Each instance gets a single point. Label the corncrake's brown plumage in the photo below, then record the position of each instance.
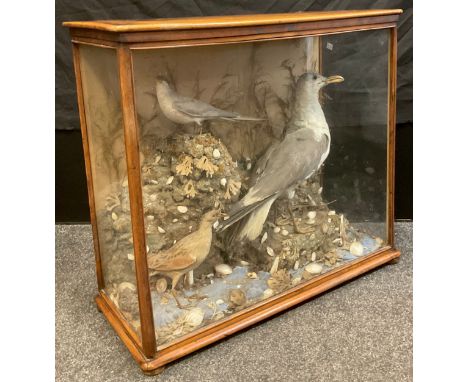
(187, 254)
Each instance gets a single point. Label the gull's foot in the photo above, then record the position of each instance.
(179, 305)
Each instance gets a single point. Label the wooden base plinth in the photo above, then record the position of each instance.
(240, 320)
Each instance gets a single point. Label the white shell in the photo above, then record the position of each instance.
(194, 317)
(219, 302)
(182, 209)
(175, 220)
(153, 197)
(223, 182)
(274, 267)
(114, 216)
(249, 166)
(216, 154)
(329, 220)
(311, 215)
(157, 159)
(223, 269)
(356, 248)
(284, 232)
(268, 293)
(264, 237)
(161, 285)
(296, 281)
(276, 229)
(125, 183)
(147, 249)
(314, 256)
(150, 217)
(313, 268)
(270, 251)
(296, 265)
(320, 190)
(244, 263)
(161, 230)
(130, 256)
(169, 180)
(331, 213)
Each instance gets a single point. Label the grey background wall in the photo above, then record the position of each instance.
(71, 194)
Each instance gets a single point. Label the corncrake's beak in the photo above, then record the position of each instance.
(334, 79)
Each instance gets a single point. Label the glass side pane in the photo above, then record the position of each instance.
(242, 157)
(100, 80)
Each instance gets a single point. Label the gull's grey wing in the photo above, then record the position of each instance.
(297, 157)
(198, 109)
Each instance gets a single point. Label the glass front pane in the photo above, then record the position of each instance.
(252, 157)
(100, 80)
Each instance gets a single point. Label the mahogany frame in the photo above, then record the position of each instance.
(125, 36)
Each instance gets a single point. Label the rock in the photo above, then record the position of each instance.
(313, 268)
(223, 269)
(356, 248)
(237, 297)
(216, 154)
(182, 209)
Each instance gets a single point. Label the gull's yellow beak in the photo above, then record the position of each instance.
(334, 79)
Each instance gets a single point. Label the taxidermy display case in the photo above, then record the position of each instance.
(236, 166)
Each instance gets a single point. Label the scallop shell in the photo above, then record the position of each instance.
(194, 317)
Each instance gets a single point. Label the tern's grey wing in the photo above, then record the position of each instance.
(198, 109)
(297, 157)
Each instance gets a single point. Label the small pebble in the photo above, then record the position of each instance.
(356, 248)
(276, 229)
(216, 154)
(169, 180)
(175, 220)
(295, 281)
(182, 209)
(223, 182)
(313, 268)
(311, 215)
(284, 232)
(161, 230)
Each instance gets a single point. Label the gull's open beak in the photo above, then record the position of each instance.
(334, 79)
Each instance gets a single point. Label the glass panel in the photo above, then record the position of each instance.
(238, 205)
(101, 92)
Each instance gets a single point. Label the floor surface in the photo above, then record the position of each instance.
(361, 331)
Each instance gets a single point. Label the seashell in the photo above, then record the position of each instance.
(329, 220)
(270, 251)
(161, 230)
(216, 204)
(313, 268)
(252, 275)
(194, 317)
(311, 215)
(175, 241)
(182, 209)
(114, 216)
(331, 213)
(215, 224)
(158, 158)
(219, 302)
(284, 232)
(268, 293)
(126, 285)
(264, 237)
(216, 154)
(244, 263)
(356, 248)
(131, 256)
(175, 220)
(274, 267)
(190, 228)
(295, 281)
(237, 297)
(161, 285)
(320, 190)
(296, 265)
(210, 275)
(150, 217)
(153, 197)
(147, 249)
(249, 166)
(223, 269)
(276, 229)
(314, 256)
(153, 181)
(169, 180)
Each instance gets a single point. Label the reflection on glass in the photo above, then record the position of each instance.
(101, 92)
